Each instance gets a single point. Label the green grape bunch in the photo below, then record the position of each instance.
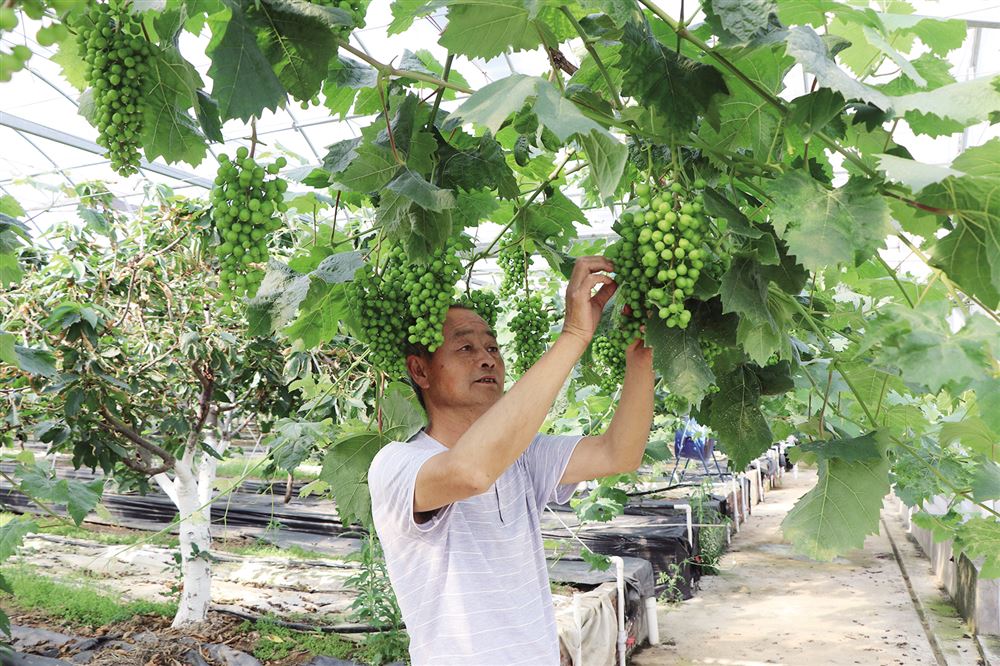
(246, 208)
(405, 305)
(663, 250)
(117, 61)
(530, 324)
(514, 263)
(482, 302)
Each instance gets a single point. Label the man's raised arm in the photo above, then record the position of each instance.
(504, 431)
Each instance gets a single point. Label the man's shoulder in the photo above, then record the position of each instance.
(415, 448)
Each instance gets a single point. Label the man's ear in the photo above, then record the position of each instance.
(417, 367)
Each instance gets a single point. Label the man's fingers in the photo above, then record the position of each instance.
(605, 293)
(588, 265)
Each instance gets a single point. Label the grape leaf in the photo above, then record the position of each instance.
(979, 537)
(293, 440)
(744, 291)
(607, 157)
(345, 468)
(939, 35)
(825, 227)
(561, 115)
(986, 481)
(964, 103)
(803, 44)
(482, 167)
(493, 103)
(844, 507)
(813, 111)
(472, 206)
(868, 447)
(402, 415)
(734, 413)
(74, 67)
(761, 339)
(415, 187)
(488, 29)
(171, 89)
(371, 169)
(12, 533)
(973, 433)
(970, 256)
(320, 313)
(806, 12)
(658, 76)
(747, 120)
(296, 37)
(679, 359)
(743, 19)
(244, 83)
(915, 175)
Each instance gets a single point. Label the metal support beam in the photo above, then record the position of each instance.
(28, 127)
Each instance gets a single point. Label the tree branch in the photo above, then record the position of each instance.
(389, 70)
(130, 434)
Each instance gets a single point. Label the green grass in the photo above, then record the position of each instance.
(265, 549)
(277, 642)
(234, 469)
(68, 529)
(77, 602)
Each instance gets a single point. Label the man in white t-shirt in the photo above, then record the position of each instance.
(457, 507)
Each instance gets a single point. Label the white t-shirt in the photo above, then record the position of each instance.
(472, 582)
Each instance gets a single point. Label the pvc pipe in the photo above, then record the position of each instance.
(737, 510)
(620, 573)
(690, 523)
(652, 623)
(760, 485)
(579, 629)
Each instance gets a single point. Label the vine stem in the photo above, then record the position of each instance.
(615, 99)
(389, 70)
(388, 123)
(440, 91)
(534, 195)
(895, 278)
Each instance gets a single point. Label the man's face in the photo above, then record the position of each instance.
(467, 370)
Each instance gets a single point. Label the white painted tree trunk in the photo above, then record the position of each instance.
(192, 493)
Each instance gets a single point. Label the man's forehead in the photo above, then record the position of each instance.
(463, 323)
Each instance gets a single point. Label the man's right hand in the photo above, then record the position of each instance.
(583, 307)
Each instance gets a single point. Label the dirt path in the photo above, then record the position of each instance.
(771, 606)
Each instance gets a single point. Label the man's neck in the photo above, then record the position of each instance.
(448, 425)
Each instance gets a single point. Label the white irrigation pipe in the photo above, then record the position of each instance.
(622, 636)
(737, 509)
(651, 620)
(689, 521)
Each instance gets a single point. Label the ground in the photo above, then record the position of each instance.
(772, 606)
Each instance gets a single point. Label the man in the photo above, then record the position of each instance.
(457, 507)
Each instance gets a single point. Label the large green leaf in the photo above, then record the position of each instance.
(868, 447)
(844, 507)
(747, 120)
(292, 441)
(345, 468)
(402, 415)
(171, 89)
(320, 313)
(296, 37)
(657, 76)
(973, 433)
(244, 83)
(734, 413)
(80, 498)
(372, 168)
(825, 227)
(679, 359)
(415, 187)
(744, 291)
(607, 157)
(964, 103)
(488, 29)
(986, 481)
(743, 19)
(12, 534)
(493, 103)
(808, 48)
